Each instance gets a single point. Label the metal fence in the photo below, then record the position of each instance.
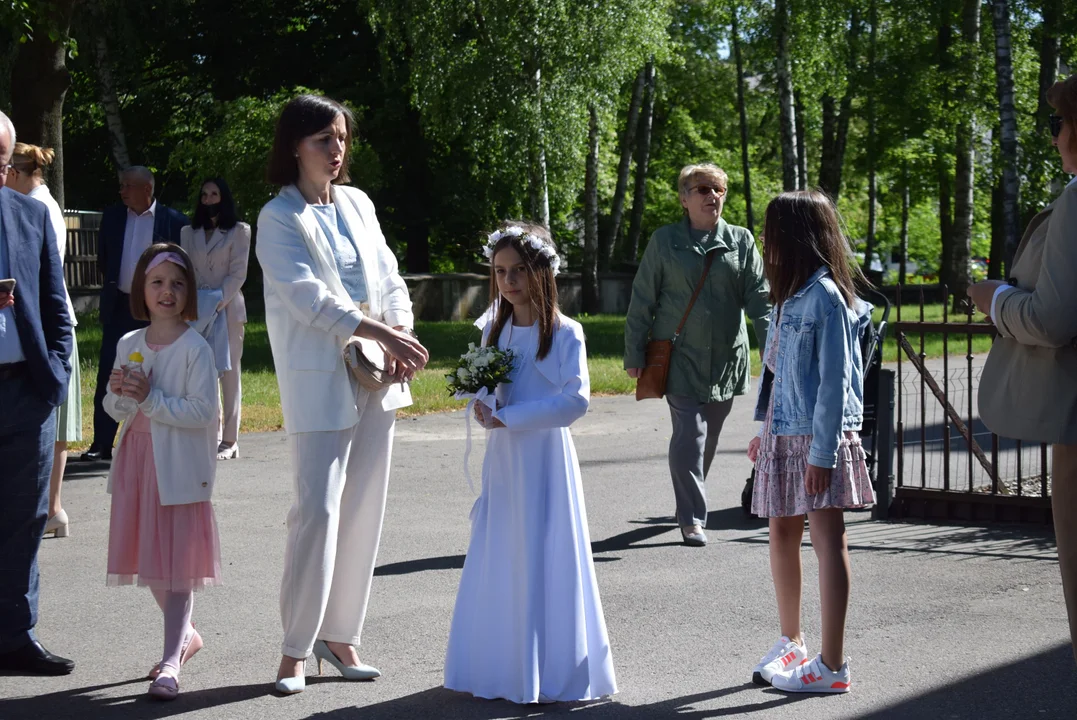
(80, 262)
(949, 465)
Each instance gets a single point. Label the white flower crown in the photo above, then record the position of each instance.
(544, 249)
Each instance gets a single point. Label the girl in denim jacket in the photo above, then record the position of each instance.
(808, 458)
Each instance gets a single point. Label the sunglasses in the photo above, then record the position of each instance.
(1056, 124)
(708, 189)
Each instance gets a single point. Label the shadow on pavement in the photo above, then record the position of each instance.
(618, 543)
(86, 703)
(448, 705)
(1040, 686)
(999, 542)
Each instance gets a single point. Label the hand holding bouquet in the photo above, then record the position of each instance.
(476, 375)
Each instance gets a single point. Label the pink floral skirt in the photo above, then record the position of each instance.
(779, 476)
(166, 547)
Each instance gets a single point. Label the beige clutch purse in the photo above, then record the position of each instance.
(366, 360)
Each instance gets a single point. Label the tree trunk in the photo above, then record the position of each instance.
(998, 222)
(39, 82)
(110, 105)
(643, 156)
(1050, 47)
(1007, 132)
(590, 219)
(787, 110)
(624, 167)
(965, 156)
(873, 180)
(903, 242)
(826, 156)
(802, 151)
(943, 147)
(539, 189)
(743, 111)
(833, 161)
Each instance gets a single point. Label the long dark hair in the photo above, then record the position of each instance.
(802, 233)
(303, 116)
(541, 284)
(226, 216)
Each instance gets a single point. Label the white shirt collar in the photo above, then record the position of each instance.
(152, 211)
(1072, 180)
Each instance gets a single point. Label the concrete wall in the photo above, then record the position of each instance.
(458, 296)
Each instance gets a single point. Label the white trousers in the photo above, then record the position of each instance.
(228, 415)
(334, 526)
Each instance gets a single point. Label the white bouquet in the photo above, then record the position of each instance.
(480, 368)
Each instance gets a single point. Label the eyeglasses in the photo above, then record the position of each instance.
(708, 189)
(1056, 125)
(7, 169)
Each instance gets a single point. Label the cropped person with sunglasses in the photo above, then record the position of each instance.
(1028, 389)
(710, 362)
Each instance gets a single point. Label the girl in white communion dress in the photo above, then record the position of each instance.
(528, 624)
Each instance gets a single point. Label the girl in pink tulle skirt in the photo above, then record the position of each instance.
(162, 531)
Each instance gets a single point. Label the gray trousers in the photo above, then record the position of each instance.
(696, 427)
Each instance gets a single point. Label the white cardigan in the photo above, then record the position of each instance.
(182, 408)
(309, 314)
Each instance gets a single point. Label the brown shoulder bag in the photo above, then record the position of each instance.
(652, 381)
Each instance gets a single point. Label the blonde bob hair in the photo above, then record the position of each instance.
(691, 173)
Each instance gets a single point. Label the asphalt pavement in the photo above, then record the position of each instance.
(946, 621)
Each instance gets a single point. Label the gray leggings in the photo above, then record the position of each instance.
(696, 427)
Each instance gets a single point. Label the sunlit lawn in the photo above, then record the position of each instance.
(446, 340)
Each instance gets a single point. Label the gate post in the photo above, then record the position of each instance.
(884, 446)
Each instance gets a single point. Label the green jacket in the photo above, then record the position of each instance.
(710, 359)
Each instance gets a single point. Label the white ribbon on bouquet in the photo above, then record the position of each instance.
(488, 399)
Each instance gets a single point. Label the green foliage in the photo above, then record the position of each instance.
(457, 100)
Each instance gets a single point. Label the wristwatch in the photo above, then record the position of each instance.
(408, 331)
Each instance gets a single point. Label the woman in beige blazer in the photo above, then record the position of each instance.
(1028, 390)
(219, 247)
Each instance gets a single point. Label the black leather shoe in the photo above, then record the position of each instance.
(94, 455)
(33, 659)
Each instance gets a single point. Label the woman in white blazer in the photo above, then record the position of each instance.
(220, 247)
(329, 275)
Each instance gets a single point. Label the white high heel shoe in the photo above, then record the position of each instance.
(350, 672)
(58, 525)
(228, 452)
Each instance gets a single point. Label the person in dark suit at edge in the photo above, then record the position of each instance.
(126, 231)
(35, 344)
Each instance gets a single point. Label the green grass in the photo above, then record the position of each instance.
(445, 341)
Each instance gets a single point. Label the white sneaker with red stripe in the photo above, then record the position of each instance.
(782, 656)
(814, 677)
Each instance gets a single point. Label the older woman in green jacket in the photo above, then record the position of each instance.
(710, 362)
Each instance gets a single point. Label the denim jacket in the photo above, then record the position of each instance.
(818, 379)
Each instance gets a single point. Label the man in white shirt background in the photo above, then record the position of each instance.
(126, 231)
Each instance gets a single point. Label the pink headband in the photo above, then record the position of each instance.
(163, 258)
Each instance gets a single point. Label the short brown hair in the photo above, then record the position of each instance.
(302, 117)
(708, 170)
(139, 311)
(1062, 96)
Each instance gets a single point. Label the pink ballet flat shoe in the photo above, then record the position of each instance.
(165, 687)
(194, 644)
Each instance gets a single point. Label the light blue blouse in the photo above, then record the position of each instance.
(345, 251)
